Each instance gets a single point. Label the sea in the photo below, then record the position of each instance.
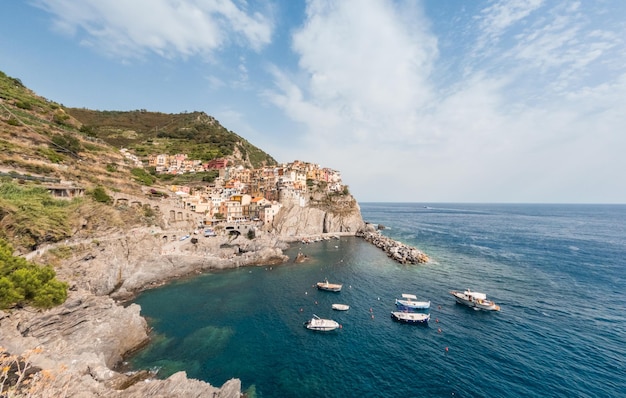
(557, 271)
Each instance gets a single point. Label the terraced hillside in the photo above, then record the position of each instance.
(45, 147)
(197, 134)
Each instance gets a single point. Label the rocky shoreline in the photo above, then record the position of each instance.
(81, 341)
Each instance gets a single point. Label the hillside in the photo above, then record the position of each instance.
(105, 235)
(196, 134)
(40, 140)
(44, 146)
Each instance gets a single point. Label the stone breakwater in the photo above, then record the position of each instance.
(398, 251)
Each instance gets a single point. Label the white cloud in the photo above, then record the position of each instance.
(526, 124)
(166, 27)
(362, 71)
(536, 113)
(500, 16)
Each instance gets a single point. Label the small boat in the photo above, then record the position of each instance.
(341, 307)
(331, 287)
(476, 300)
(320, 324)
(410, 301)
(410, 317)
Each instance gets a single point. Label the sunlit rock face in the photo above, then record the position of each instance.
(328, 215)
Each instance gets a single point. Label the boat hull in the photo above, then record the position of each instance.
(477, 301)
(329, 287)
(340, 307)
(321, 325)
(410, 317)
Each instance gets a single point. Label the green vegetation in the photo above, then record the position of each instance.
(196, 134)
(30, 216)
(142, 176)
(60, 118)
(12, 89)
(13, 121)
(187, 178)
(22, 282)
(51, 155)
(100, 195)
(67, 143)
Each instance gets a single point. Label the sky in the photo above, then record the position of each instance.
(516, 101)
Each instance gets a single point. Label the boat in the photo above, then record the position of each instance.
(410, 301)
(341, 307)
(476, 300)
(410, 317)
(321, 324)
(331, 287)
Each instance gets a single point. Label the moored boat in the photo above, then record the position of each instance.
(341, 307)
(331, 287)
(410, 317)
(410, 301)
(321, 324)
(476, 300)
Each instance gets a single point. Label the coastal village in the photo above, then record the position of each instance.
(240, 194)
(105, 264)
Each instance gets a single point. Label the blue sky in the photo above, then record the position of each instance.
(415, 101)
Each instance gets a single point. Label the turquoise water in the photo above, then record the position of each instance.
(556, 270)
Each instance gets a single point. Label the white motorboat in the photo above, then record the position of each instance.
(410, 301)
(410, 317)
(320, 324)
(341, 307)
(476, 300)
(331, 287)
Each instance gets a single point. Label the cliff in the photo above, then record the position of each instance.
(120, 265)
(80, 342)
(329, 214)
(107, 248)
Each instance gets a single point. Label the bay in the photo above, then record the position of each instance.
(557, 271)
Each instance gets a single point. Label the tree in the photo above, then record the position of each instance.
(24, 282)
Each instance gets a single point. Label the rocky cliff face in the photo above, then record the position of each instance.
(82, 340)
(323, 215)
(118, 266)
(89, 334)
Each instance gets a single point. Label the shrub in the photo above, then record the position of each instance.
(62, 252)
(100, 195)
(148, 211)
(142, 176)
(67, 143)
(52, 156)
(13, 121)
(24, 105)
(60, 117)
(24, 282)
(89, 131)
(32, 216)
